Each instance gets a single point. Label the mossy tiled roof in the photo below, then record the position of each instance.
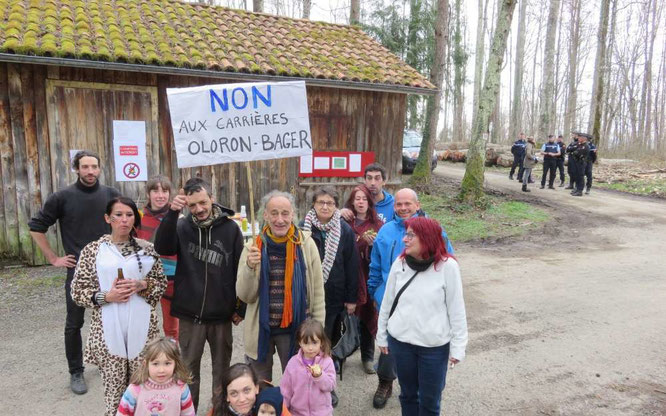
(185, 35)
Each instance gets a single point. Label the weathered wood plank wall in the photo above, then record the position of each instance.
(46, 111)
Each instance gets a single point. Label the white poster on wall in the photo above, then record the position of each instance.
(225, 123)
(129, 150)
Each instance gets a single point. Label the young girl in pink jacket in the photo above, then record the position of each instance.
(309, 378)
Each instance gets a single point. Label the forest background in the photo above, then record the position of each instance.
(548, 39)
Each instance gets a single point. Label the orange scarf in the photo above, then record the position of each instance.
(292, 239)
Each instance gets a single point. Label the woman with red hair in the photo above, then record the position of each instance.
(422, 320)
(365, 224)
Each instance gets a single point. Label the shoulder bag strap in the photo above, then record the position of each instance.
(397, 297)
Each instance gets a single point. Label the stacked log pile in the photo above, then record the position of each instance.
(496, 154)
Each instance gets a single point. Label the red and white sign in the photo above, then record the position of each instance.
(129, 150)
(335, 164)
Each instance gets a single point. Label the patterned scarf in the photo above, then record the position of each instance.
(215, 213)
(333, 229)
(293, 313)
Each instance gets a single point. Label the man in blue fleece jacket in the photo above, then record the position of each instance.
(387, 247)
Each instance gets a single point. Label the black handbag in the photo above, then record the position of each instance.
(350, 338)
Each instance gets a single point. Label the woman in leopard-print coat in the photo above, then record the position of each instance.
(123, 318)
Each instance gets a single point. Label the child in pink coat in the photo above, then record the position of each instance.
(309, 378)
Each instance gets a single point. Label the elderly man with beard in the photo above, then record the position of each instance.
(387, 247)
(79, 210)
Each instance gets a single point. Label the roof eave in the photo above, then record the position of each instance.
(241, 76)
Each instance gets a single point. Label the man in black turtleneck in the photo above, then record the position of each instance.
(79, 210)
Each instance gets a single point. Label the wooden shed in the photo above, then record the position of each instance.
(68, 69)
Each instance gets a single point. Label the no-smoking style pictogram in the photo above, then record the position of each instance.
(131, 170)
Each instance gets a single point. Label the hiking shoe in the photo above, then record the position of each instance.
(569, 187)
(368, 367)
(577, 193)
(561, 184)
(542, 186)
(587, 192)
(384, 390)
(334, 398)
(551, 187)
(78, 384)
(510, 177)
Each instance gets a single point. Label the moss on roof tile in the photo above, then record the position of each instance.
(172, 33)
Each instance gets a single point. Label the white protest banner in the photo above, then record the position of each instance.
(241, 122)
(129, 150)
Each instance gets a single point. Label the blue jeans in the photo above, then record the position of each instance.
(422, 376)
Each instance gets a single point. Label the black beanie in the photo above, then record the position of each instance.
(272, 396)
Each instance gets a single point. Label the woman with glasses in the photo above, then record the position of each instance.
(336, 242)
(422, 320)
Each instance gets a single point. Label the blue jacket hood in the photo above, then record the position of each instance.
(385, 207)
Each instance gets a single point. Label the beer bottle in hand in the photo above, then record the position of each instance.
(120, 274)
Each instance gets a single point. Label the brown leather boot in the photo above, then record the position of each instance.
(384, 391)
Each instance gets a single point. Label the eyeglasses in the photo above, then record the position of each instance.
(325, 203)
(410, 235)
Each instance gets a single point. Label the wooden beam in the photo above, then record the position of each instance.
(22, 168)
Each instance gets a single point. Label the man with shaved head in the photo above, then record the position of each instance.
(387, 247)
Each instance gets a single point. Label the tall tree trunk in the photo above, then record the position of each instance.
(471, 188)
(307, 5)
(574, 39)
(604, 137)
(546, 115)
(422, 169)
(599, 73)
(645, 115)
(517, 108)
(258, 6)
(459, 65)
(412, 60)
(355, 12)
(479, 55)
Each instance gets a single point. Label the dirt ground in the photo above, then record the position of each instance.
(570, 320)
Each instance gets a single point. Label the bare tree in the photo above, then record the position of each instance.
(307, 5)
(599, 71)
(517, 107)
(422, 168)
(479, 55)
(355, 12)
(574, 40)
(258, 6)
(546, 114)
(471, 188)
(459, 66)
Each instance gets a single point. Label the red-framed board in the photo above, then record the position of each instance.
(335, 164)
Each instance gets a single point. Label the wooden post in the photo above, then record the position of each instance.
(249, 187)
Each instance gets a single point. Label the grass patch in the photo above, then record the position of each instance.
(25, 280)
(648, 186)
(496, 217)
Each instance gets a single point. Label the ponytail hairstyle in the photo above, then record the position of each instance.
(137, 223)
(169, 347)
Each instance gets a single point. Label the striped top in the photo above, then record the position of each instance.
(150, 398)
(150, 222)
